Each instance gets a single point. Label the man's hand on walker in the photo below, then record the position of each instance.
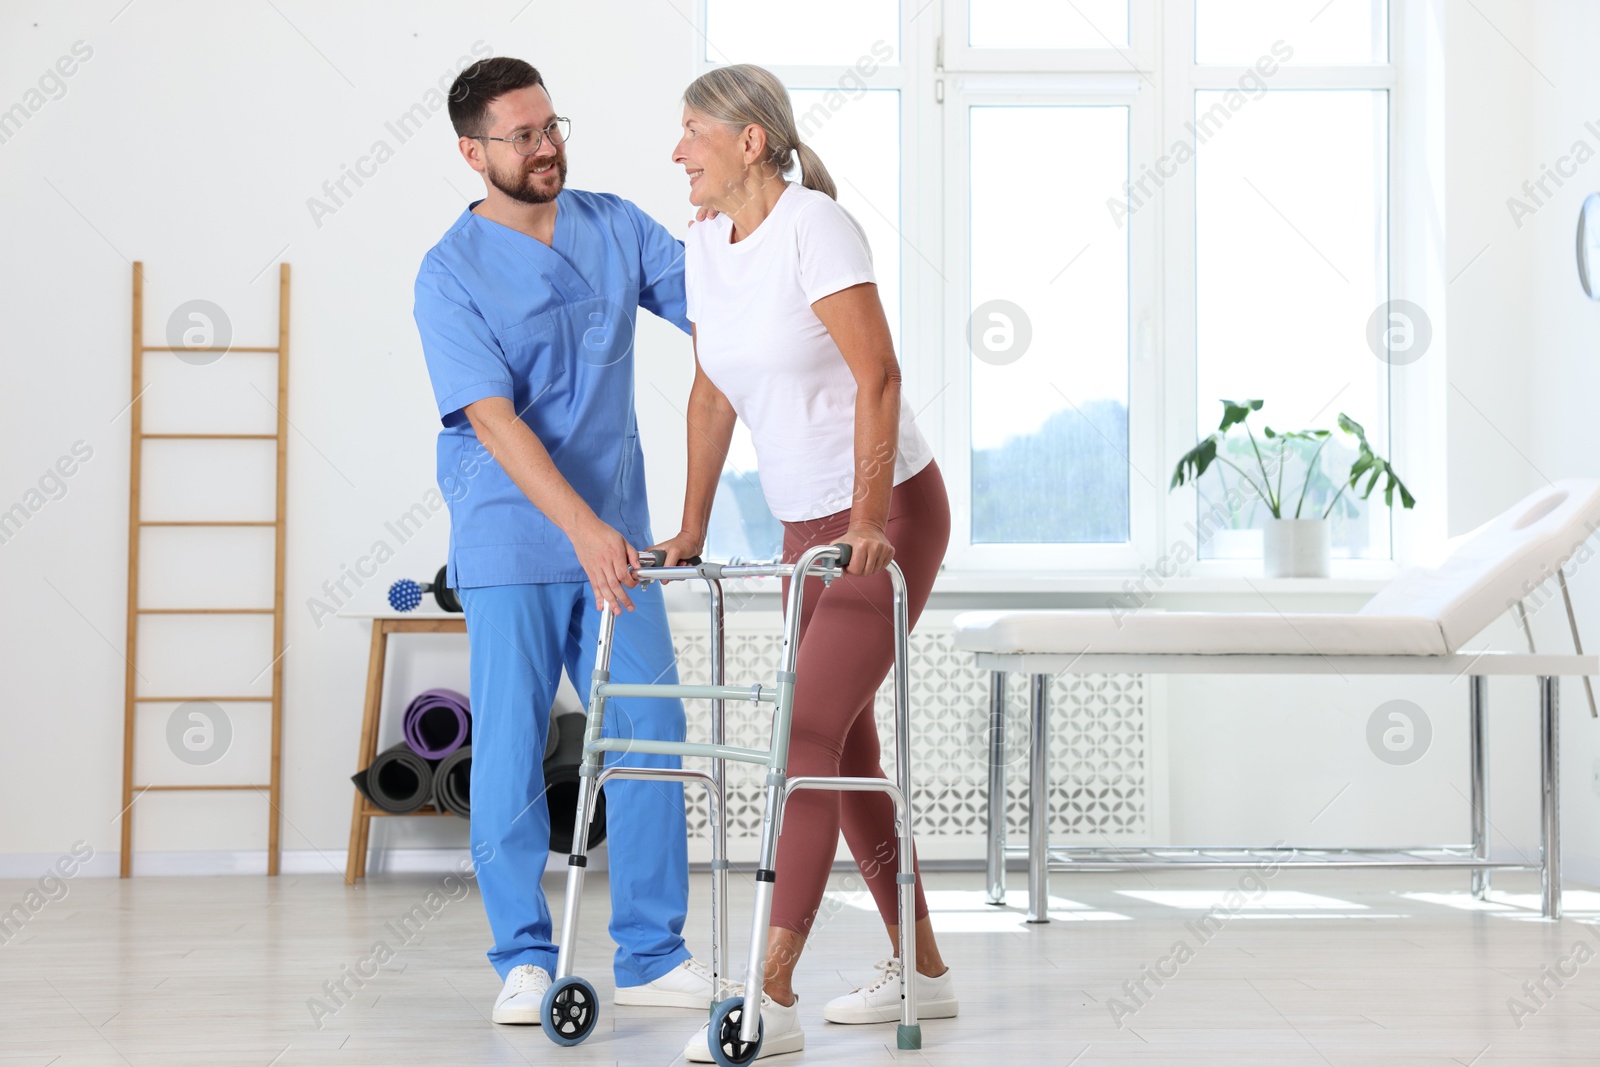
(606, 557)
(870, 550)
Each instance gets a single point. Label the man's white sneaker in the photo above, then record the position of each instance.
(781, 1032)
(688, 985)
(879, 1000)
(520, 999)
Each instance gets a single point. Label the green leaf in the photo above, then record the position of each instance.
(1351, 426)
(1372, 466)
(1234, 412)
(1194, 462)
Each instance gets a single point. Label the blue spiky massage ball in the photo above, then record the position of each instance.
(405, 595)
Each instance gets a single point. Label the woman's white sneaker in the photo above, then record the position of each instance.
(519, 1001)
(879, 1000)
(781, 1032)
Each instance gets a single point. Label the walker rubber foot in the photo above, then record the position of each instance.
(908, 1037)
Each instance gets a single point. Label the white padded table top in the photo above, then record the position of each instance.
(1497, 564)
(1426, 611)
(1197, 633)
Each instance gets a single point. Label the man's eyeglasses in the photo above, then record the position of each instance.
(527, 142)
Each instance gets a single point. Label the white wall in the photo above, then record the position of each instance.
(1488, 99)
(1523, 90)
(1562, 331)
(192, 139)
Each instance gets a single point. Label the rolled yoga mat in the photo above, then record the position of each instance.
(436, 723)
(561, 785)
(398, 780)
(452, 783)
(452, 778)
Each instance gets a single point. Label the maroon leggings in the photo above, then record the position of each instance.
(846, 651)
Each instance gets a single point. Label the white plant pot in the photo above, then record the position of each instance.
(1297, 548)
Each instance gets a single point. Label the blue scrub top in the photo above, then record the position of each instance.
(550, 328)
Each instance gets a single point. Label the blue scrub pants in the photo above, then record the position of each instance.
(521, 636)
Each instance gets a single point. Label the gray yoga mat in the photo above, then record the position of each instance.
(452, 778)
(452, 783)
(398, 780)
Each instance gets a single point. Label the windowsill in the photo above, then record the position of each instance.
(1241, 577)
(1235, 585)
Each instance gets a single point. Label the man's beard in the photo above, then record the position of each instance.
(515, 184)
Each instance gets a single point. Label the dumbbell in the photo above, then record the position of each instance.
(405, 594)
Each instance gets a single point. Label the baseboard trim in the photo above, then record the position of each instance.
(1577, 871)
(222, 862)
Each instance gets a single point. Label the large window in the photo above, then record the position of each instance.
(1291, 260)
(1092, 222)
(1049, 327)
(1292, 252)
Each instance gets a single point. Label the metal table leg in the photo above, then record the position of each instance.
(996, 862)
(1550, 796)
(1039, 800)
(1478, 756)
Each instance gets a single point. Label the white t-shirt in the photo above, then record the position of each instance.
(761, 344)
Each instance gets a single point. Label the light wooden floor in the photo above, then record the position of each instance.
(1347, 968)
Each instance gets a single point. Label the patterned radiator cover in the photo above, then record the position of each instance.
(1099, 753)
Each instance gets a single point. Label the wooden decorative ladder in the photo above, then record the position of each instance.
(272, 789)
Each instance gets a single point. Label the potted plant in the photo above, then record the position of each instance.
(1295, 545)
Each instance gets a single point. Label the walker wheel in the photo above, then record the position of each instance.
(569, 1011)
(723, 1035)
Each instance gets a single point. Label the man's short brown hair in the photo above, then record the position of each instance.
(481, 85)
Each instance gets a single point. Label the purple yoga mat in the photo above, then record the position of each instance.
(437, 722)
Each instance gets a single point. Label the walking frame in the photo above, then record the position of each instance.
(570, 1008)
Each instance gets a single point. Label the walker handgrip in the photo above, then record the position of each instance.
(843, 554)
(658, 558)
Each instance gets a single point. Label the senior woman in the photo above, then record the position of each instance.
(790, 336)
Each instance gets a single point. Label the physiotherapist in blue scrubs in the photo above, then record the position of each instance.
(526, 309)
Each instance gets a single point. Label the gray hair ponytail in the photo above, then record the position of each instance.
(747, 95)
